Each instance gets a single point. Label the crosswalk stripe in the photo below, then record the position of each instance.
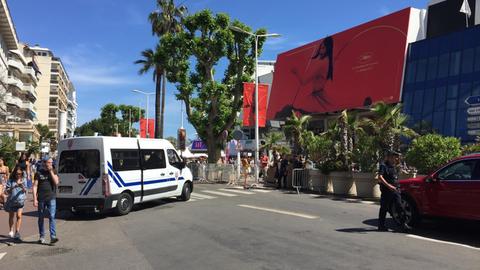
(219, 193)
(192, 200)
(2, 255)
(201, 196)
(261, 190)
(237, 191)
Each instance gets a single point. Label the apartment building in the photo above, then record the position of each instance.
(19, 75)
(56, 104)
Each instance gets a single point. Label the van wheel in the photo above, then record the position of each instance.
(186, 192)
(124, 204)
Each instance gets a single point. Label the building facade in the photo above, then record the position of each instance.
(19, 78)
(55, 91)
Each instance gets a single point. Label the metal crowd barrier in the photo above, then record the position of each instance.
(299, 179)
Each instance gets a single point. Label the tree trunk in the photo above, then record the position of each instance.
(158, 94)
(162, 116)
(213, 150)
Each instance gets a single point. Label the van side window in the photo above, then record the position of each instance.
(125, 160)
(84, 162)
(173, 157)
(153, 159)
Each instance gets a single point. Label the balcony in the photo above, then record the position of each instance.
(9, 99)
(28, 105)
(30, 89)
(31, 72)
(12, 62)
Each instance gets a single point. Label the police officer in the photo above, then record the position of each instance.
(388, 180)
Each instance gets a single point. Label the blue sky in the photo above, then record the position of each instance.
(98, 40)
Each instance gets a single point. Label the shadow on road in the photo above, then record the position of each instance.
(463, 232)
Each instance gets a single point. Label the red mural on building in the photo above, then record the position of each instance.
(351, 69)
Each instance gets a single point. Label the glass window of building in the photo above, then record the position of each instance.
(432, 68)
(477, 59)
(440, 97)
(450, 123)
(467, 60)
(476, 89)
(407, 101)
(418, 102)
(464, 93)
(421, 70)
(411, 70)
(455, 63)
(428, 100)
(443, 65)
(438, 121)
(452, 91)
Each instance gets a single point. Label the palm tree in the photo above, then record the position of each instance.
(44, 132)
(272, 140)
(151, 61)
(294, 127)
(389, 125)
(166, 19)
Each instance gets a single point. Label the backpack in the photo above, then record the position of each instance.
(17, 197)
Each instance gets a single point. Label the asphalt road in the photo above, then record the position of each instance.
(225, 229)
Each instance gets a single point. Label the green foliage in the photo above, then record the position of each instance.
(430, 151)
(365, 153)
(471, 148)
(319, 148)
(207, 41)
(294, 128)
(172, 140)
(7, 150)
(45, 133)
(108, 122)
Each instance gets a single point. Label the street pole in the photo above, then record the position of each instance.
(256, 111)
(139, 113)
(147, 135)
(129, 122)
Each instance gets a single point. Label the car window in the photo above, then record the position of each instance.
(85, 162)
(125, 159)
(153, 159)
(462, 170)
(173, 157)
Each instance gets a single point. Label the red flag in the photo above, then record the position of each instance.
(249, 104)
(143, 128)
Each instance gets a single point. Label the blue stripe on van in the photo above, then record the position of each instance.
(114, 178)
(85, 186)
(92, 183)
(139, 183)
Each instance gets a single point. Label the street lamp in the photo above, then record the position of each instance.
(257, 139)
(147, 95)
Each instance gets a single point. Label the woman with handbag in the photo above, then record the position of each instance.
(16, 192)
(4, 174)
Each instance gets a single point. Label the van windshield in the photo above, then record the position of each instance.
(85, 162)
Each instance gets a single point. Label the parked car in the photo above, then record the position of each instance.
(451, 191)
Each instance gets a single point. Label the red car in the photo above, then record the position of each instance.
(452, 191)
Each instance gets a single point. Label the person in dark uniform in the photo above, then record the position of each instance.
(388, 180)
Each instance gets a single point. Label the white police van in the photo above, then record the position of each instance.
(100, 173)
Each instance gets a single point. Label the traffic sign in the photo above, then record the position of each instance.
(475, 132)
(473, 125)
(473, 111)
(473, 100)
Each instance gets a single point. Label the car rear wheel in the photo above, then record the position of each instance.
(411, 212)
(124, 204)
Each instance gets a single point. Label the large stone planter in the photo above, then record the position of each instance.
(318, 181)
(366, 185)
(343, 183)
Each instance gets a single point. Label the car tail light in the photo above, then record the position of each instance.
(105, 185)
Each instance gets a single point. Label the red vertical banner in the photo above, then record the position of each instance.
(249, 104)
(143, 128)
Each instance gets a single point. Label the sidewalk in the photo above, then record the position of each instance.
(29, 221)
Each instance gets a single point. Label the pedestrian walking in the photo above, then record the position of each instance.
(283, 171)
(16, 190)
(25, 165)
(388, 180)
(245, 171)
(4, 175)
(264, 164)
(44, 188)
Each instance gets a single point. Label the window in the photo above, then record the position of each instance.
(450, 123)
(477, 59)
(84, 162)
(418, 102)
(467, 60)
(455, 63)
(440, 97)
(438, 119)
(125, 160)
(421, 70)
(462, 170)
(173, 158)
(443, 65)
(464, 93)
(411, 70)
(432, 68)
(407, 101)
(428, 99)
(153, 159)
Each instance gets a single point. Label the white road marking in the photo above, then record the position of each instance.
(2, 255)
(279, 211)
(201, 196)
(219, 193)
(237, 191)
(367, 202)
(192, 200)
(440, 241)
(261, 190)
